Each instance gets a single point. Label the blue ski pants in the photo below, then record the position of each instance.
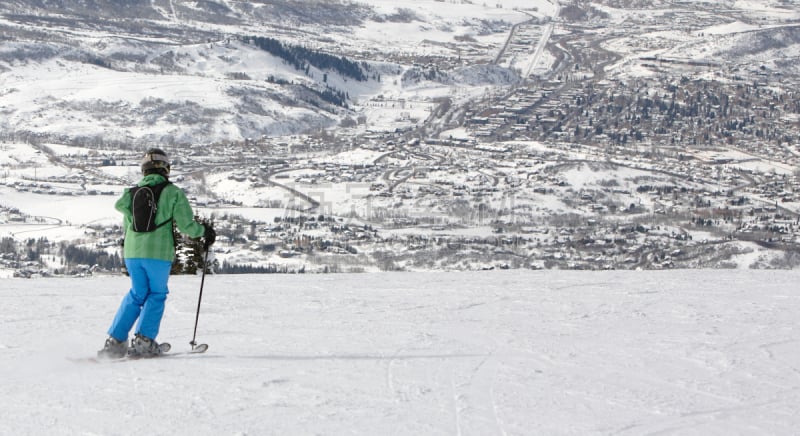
(145, 301)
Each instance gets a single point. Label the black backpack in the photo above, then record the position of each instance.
(144, 205)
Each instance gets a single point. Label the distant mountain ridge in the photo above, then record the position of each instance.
(196, 72)
(227, 12)
(101, 40)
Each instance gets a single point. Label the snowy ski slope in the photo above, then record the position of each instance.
(490, 353)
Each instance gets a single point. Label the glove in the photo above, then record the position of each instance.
(209, 236)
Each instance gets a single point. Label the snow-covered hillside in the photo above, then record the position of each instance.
(188, 73)
(507, 353)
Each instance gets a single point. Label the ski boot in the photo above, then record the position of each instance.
(113, 349)
(142, 346)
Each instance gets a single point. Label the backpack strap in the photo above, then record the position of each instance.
(157, 191)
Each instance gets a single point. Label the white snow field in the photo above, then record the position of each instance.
(481, 353)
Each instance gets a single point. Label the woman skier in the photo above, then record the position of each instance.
(149, 251)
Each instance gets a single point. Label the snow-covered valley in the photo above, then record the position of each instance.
(475, 353)
(408, 135)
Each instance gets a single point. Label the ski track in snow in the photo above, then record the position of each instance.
(489, 353)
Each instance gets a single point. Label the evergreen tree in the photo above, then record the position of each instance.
(189, 253)
(302, 58)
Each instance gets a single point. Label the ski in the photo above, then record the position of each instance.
(196, 349)
(165, 347)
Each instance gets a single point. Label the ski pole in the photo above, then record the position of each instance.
(199, 299)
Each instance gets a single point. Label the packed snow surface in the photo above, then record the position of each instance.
(483, 353)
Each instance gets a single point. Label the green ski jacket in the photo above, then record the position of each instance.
(158, 244)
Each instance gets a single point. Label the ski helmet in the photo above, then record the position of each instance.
(155, 161)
